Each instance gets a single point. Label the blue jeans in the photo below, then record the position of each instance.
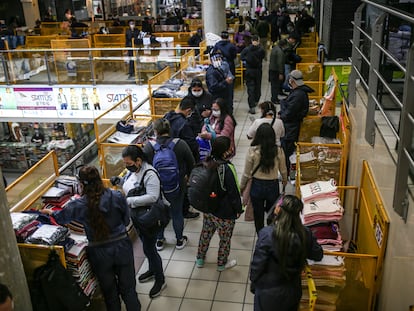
(113, 265)
(154, 259)
(263, 194)
(176, 212)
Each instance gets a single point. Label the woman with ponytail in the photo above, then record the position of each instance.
(264, 161)
(269, 115)
(279, 258)
(104, 214)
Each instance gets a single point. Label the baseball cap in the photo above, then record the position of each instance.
(297, 76)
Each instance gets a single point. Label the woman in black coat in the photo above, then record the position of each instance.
(203, 101)
(279, 258)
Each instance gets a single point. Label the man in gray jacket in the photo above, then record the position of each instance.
(277, 69)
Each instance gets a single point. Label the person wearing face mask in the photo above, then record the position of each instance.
(180, 125)
(181, 128)
(131, 37)
(104, 213)
(139, 169)
(203, 100)
(292, 111)
(220, 123)
(219, 80)
(223, 218)
(253, 56)
(185, 161)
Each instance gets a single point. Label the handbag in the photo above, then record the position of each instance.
(248, 213)
(150, 219)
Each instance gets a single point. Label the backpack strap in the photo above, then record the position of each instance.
(170, 143)
(145, 173)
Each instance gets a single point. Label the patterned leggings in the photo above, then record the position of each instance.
(225, 230)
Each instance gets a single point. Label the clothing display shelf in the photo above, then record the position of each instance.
(111, 142)
(352, 280)
(321, 159)
(32, 191)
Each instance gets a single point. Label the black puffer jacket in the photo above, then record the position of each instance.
(293, 109)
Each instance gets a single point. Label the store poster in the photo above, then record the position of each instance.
(7, 98)
(74, 102)
(30, 98)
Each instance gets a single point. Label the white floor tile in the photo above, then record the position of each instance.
(162, 303)
(188, 253)
(244, 229)
(195, 305)
(208, 272)
(179, 269)
(228, 306)
(175, 287)
(242, 242)
(237, 274)
(230, 292)
(243, 257)
(200, 289)
(248, 307)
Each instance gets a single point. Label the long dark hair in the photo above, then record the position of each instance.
(286, 229)
(224, 112)
(93, 189)
(265, 138)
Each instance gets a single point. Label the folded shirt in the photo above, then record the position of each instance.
(318, 190)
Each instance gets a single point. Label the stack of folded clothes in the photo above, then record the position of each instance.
(322, 211)
(78, 264)
(24, 225)
(170, 89)
(329, 277)
(49, 235)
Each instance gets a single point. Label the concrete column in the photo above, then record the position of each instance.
(11, 267)
(31, 12)
(214, 16)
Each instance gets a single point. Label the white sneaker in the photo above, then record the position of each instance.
(230, 264)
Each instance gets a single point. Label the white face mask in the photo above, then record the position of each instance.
(216, 113)
(132, 26)
(197, 93)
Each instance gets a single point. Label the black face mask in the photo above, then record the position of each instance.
(132, 168)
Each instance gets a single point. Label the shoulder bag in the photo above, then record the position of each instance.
(149, 220)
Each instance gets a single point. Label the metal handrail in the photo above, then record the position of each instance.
(392, 11)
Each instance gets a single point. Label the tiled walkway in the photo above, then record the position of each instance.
(204, 289)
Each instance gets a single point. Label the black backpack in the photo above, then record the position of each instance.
(203, 187)
(54, 288)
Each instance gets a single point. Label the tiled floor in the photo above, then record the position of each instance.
(204, 289)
